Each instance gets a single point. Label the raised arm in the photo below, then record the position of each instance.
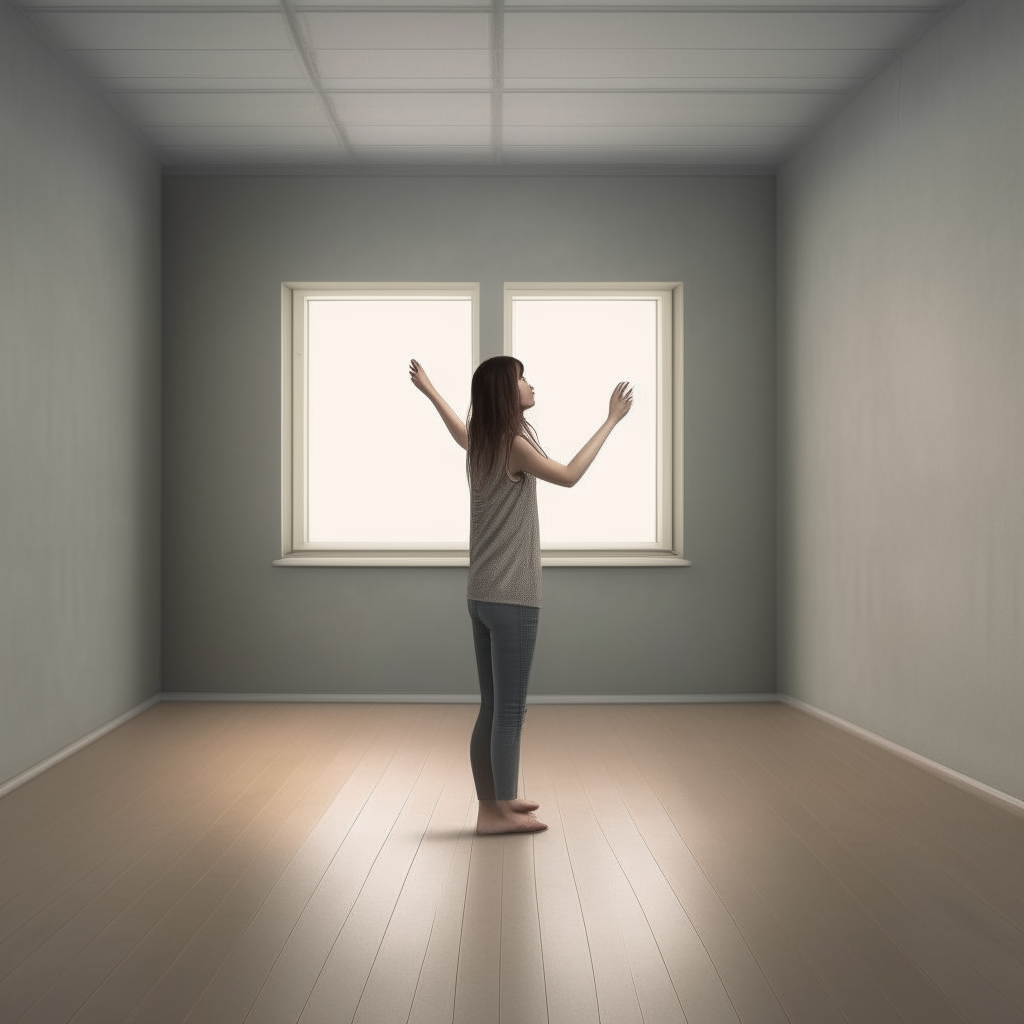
(524, 458)
(455, 426)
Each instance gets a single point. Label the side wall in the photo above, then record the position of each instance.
(902, 402)
(79, 408)
(234, 622)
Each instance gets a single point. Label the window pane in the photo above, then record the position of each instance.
(574, 351)
(382, 468)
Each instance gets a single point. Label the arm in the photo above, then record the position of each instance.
(455, 426)
(524, 458)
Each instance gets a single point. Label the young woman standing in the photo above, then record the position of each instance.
(504, 463)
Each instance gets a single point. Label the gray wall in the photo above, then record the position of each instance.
(902, 402)
(79, 414)
(233, 622)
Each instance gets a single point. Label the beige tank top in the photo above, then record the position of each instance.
(504, 540)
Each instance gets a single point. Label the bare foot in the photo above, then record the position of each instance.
(499, 817)
(524, 806)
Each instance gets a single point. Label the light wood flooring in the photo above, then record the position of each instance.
(274, 863)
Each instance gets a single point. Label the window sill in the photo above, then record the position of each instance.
(405, 559)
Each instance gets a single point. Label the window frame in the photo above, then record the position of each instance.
(296, 549)
(297, 552)
(667, 550)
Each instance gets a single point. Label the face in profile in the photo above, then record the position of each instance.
(526, 399)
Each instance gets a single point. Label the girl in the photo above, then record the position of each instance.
(504, 463)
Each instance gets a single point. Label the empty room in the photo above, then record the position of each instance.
(511, 511)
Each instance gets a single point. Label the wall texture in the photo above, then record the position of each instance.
(902, 402)
(79, 408)
(234, 622)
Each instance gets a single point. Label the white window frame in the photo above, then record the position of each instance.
(296, 549)
(667, 550)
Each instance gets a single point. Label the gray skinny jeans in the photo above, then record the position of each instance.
(504, 636)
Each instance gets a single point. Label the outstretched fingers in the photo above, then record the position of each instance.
(622, 400)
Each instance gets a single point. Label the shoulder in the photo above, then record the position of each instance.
(514, 465)
(525, 445)
(522, 455)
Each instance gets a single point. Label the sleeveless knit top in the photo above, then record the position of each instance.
(504, 540)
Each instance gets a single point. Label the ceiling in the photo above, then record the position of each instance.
(335, 84)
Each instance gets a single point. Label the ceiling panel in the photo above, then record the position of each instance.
(744, 5)
(658, 30)
(337, 65)
(135, 30)
(413, 108)
(224, 108)
(439, 155)
(648, 135)
(664, 108)
(403, 6)
(836, 86)
(115, 5)
(663, 62)
(419, 135)
(193, 64)
(391, 30)
(410, 85)
(289, 154)
(242, 135)
(633, 156)
(119, 86)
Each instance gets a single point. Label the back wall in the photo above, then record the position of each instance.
(234, 622)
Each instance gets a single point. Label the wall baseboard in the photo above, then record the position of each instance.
(472, 698)
(958, 779)
(72, 748)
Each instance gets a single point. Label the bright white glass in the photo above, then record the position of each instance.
(575, 350)
(382, 468)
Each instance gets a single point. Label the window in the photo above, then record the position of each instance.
(575, 342)
(371, 475)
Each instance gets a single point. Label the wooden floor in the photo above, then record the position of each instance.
(274, 863)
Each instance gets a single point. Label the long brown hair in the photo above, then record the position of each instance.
(495, 416)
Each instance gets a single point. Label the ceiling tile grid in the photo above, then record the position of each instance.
(322, 83)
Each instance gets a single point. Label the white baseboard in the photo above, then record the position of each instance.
(934, 767)
(472, 698)
(73, 748)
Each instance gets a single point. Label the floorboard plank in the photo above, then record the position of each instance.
(568, 970)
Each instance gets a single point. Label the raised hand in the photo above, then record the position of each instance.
(420, 379)
(621, 401)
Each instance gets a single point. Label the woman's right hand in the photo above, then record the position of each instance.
(420, 379)
(621, 401)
